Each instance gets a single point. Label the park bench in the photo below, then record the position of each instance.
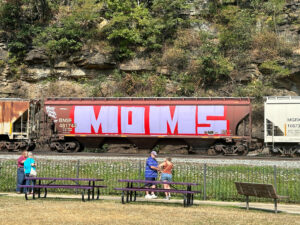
(258, 190)
(131, 191)
(90, 188)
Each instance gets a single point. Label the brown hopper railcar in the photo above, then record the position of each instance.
(219, 125)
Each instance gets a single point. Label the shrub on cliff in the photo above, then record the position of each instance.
(134, 25)
(73, 28)
(273, 69)
(237, 30)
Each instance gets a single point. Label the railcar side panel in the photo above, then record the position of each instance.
(99, 119)
(282, 119)
(144, 121)
(11, 111)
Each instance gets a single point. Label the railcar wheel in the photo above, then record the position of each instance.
(295, 152)
(276, 151)
(216, 150)
(211, 151)
(242, 151)
(3, 146)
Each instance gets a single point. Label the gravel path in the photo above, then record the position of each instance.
(249, 162)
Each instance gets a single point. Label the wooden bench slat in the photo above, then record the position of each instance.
(158, 190)
(256, 190)
(96, 186)
(57, 186)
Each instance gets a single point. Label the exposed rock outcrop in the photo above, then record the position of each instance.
(136, 64)
(36, 56)
(248, 73)
(93, 60)
(3, 52)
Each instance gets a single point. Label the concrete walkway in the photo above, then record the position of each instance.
(285, 208)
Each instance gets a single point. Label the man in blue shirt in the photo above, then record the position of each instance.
(151, 173)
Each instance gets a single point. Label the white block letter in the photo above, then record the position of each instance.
(184, 116)
(213, 126)
(85, 118)
(133, 120)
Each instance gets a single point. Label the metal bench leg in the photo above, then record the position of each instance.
(131, 192)
(33, 193)
(247, 202)
(39, 190)
(275, 204)
(127, 196)
(98, 193)
(45, 194)
(189, 188)
(184, 200)
(26, 197)
(122, 197)
(89, 194)
(93, 191)
(82, 195)
(134, 199)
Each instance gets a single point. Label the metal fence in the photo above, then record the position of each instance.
(216, 181)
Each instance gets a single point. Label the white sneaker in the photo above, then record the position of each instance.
(148, 196)
(167, 198)
(153, 196)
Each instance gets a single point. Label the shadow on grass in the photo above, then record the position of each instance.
(251, 209)
(261, 210)
(160, 203)
(60, 199)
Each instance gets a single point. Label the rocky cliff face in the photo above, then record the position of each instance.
(38, 73)
(94, 71)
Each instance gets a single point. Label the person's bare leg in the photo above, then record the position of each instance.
(168, 187)
(153, 186)
(165, 187)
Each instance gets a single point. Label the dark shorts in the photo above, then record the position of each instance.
(151, 179)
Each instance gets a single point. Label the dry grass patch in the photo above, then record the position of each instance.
(61, 211)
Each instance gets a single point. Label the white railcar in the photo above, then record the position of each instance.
(282, 124)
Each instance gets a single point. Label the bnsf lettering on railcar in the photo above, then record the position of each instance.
(64, 120)
(151, 120)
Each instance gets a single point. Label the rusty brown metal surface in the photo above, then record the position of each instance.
(10, 111)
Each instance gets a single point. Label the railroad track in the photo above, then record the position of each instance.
(143, 155)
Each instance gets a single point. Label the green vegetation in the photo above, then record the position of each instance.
(134, 26)
(272, 68)
(2, 63)
(196, 52)
(219, 178)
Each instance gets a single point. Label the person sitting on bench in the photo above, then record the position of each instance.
(151, 173)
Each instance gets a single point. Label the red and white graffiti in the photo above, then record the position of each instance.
(151, 120)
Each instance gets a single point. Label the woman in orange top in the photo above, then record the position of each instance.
(166, 168)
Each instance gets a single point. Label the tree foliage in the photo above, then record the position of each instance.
(135, 24)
